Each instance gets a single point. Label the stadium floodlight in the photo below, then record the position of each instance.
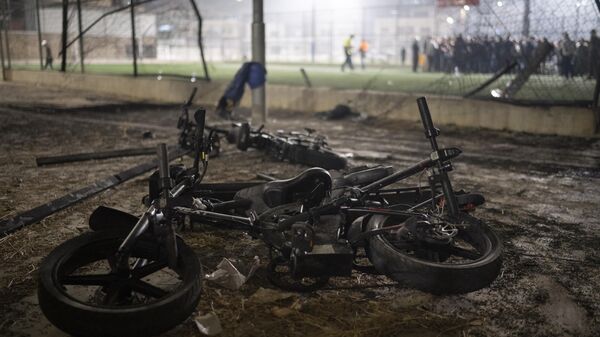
(466, 8)
(165, 28)
(499, 3)
(450, 20)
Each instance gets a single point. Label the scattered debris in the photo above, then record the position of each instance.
(252, 73)
(340, 111)
(281, 312)
(41, 161)
(38, 213)
(208, 324)
(230, 273)
(305, 147)
(365, 154)
(264, 295)
(148, 135)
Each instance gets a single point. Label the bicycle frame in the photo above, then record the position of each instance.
(357, 202)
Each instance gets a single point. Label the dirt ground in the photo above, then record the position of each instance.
(542, 199)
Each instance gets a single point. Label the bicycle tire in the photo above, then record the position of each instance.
(437, 277)
(84, 319)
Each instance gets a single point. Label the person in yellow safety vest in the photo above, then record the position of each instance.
(363, 48)
(348, 52)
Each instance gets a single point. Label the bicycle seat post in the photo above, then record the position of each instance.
(200, 117)
(431, 132)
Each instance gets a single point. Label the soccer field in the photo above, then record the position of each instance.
(381, 78)
(390, 78)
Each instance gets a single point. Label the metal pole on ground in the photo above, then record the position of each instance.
(65, 27)
(39, 32)
(133, 40)
(81, 56)
(259, 106)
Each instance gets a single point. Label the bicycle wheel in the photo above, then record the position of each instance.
(80, 294)
(466, 260)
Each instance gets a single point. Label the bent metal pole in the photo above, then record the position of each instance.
(259, 105)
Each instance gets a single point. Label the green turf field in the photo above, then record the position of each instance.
(381, 78)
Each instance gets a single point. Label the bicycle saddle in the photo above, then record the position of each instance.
(300, 187)
(310, 187)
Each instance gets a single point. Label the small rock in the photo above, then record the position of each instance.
(281, 312)
(540, 296)
(262, 296)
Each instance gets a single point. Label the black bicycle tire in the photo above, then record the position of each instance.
(79, 319)
(433, 277)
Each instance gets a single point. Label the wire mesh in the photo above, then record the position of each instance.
(497, 33)
(311, 33)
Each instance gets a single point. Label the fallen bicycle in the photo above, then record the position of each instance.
(135, 276)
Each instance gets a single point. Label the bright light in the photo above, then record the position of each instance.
(499, 3)
(450, 20)
(578, 4)
(467, 8)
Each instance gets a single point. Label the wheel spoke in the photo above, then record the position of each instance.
(114, 292)
(147, 289)
(148, 269)
(88, 280)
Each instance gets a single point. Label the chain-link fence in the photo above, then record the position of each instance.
(544, 51)
(141, 37)
(474, 48)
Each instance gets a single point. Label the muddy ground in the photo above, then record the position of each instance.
(542, 199)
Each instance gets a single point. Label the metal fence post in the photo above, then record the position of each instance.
(2, 56)
(200, 44)
(133, 39)
(7, 42)
(259, 106)
(81, 55)
(39, 32)
(65, 27)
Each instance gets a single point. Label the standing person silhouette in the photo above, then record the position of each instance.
(415, 55)
(48, 53)
(348, 53)
(363, 48)
(403, 55)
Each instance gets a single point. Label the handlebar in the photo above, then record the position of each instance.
(430, 130)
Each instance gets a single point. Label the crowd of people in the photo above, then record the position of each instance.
(485, 54)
